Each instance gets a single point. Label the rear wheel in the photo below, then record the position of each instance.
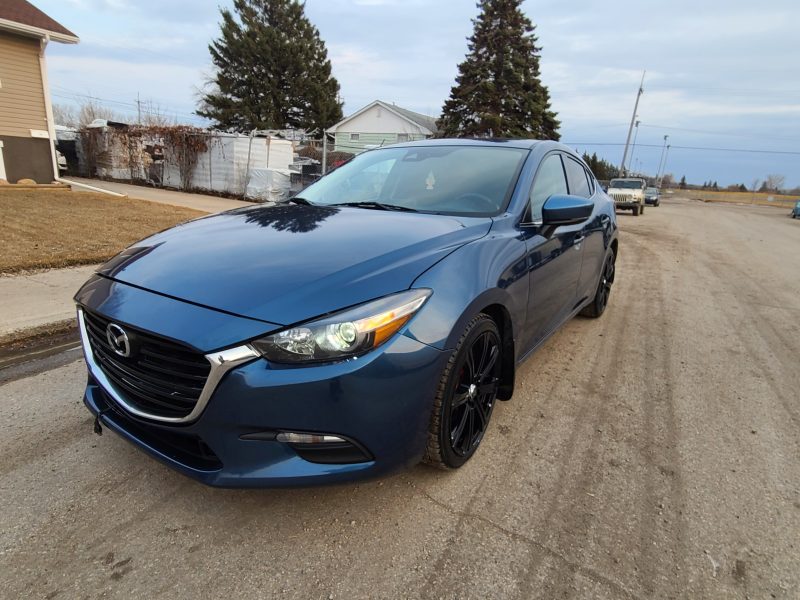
(598, 304)
(641, 209)
(466, 396)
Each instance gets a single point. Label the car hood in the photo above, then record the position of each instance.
(288, 263)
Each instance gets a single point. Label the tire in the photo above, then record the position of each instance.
(598, 304)
(635, 211)
(467, 393)
(641, 209)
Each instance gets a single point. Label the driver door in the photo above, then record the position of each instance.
(554, 260)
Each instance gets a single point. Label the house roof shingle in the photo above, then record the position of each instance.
(418, 118)
(24, 13)
(423, 121)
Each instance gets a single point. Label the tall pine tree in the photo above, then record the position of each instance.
(498, 92)
(272, 70)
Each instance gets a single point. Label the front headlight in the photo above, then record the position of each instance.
(345, 334)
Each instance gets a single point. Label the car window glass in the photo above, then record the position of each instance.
(549, 181)
(592, 181)
(459, 179)
(576, 178)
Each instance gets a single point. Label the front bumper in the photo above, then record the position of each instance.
(381, 402)
(627, 204)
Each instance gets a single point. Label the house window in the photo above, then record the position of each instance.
(402, 137)
(354, 137)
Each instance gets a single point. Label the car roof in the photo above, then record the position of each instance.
(507, 143)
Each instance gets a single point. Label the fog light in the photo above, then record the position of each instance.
(308, 438)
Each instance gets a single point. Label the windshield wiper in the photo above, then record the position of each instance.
(378, 206)
(299, 200)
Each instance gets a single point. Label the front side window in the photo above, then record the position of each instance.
(464, 180)
(549, 181)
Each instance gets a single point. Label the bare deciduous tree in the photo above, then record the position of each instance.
(774, 182)
(154, 116)
(91, 110)
(64, 114)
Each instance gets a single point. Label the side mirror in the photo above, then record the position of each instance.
(566, 210)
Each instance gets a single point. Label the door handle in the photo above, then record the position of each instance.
(577, 241)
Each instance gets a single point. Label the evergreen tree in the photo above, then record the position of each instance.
(742, 187)
(682, 184)
(272, 70)
(498, 92)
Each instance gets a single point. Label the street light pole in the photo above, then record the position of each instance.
(630, 129)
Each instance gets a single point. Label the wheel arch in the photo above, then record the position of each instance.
(502, 318)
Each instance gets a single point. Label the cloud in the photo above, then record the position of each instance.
(727, 67)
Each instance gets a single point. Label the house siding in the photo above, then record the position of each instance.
(22, 108)
(22, 103)
(344, 144)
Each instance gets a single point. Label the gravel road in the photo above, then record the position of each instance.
(654, 453)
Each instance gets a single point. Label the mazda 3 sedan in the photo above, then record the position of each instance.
(368, 324)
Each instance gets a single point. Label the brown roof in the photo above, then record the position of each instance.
(25, 13)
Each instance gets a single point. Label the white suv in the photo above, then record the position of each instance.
(628, 193)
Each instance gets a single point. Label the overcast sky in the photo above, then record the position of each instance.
(720, 74)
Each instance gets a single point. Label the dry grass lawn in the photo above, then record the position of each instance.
(42, 229)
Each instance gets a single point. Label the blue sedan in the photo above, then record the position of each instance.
(366, 325)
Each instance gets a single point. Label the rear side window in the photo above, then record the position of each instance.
(549, 181)
(576, 177)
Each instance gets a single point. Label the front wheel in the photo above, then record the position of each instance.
(598, 304)
(635, 211)
(466, 396)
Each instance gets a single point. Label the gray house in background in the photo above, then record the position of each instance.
(380, 124)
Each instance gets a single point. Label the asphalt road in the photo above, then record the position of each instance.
(654, 453)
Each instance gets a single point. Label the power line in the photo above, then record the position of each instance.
(706, 132)
(703, 148)
(131, 107)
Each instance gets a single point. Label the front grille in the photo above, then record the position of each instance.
(185, 448)
(622, 198)
(160, 377)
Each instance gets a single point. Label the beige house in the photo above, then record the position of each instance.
(27, 133)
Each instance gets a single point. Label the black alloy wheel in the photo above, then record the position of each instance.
(466, 395)
(598, 304)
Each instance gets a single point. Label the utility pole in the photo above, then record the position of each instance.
(138, 109)
(630, 129)
(666, 154)
(661, 160)
(633, 148)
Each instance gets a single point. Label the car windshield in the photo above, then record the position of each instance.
(457, 180)
(626, 184)
(651, 190)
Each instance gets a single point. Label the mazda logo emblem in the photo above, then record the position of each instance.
(118, 340)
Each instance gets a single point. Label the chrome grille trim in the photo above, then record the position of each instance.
(221, 362)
